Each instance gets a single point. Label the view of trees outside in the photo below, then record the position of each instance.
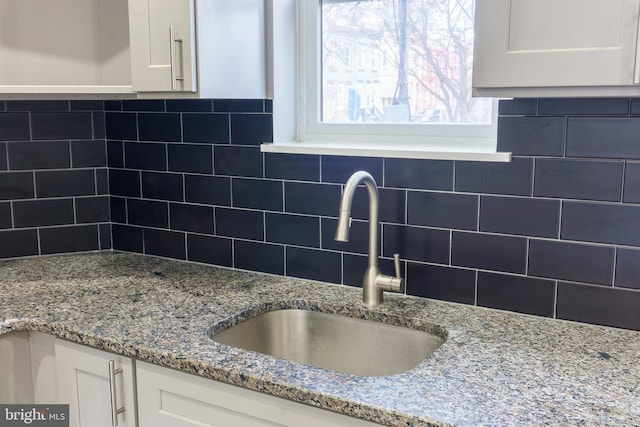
(399, 61)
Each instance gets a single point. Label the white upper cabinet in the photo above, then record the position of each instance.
(143, 48)
(68, 46)
(556, 47)
(163, 43)
(212, 48)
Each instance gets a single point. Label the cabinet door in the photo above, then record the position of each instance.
(162, 34)
(43, 368)
(15, 369)
(85, 383)
(551, 43)
(169, 398)
(64, 46)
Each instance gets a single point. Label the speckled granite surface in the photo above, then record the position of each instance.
(494, 369)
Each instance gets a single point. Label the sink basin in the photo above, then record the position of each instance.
(339, 343)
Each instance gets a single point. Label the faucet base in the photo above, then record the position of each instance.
(372, 294)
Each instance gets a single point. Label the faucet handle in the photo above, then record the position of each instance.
(396, 265)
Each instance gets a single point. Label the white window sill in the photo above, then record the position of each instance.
(377, 150)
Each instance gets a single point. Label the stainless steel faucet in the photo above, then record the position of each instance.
(374, 282)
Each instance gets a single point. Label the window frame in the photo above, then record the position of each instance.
(311, 136)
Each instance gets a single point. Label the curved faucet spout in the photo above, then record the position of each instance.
(344, 216)
(374, 283)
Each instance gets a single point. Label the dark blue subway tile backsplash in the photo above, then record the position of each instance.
(312, 199)
(628, 268)
(631, 191)
(338, 169)
(16, 185)
(123, 126)
(598, 304)
(143, 105)
(600, 222)
(37, 105)
(554, 233)
(583, 106)
(61, 125)
(440, 282)
(159, 127)
(239, 223)
(149, 213)
(489, 252)
(33, 155)
(14, 127)
(124, 183)
(145, 156)
(358, 237)
(210, 250)
(91, 210)
(260, 194)
(127, 238)
(313, 264)
(164, 243)
(3, 156)
(518, 107)
(163, 186)
(255, 256)
(189, 105)
(193, 158)
(18, 243)
(522, 294)
(5, 215)
(238, 161)
(297, 230)
(205, 128)
(571, 261)
(514, 177)
(419, 174)
(78, 238)
(238, 105)
(417, 243)
(88, 154)
(208, 190)
(392, 206)
(603, 137)
(198, 219)
(532, 136)
(520, 216)
(74, 182)
(445, 210)
(578, 179)
(37, 213)
(295, 167)
(251, 129)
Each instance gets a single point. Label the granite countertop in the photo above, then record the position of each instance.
(495, 368)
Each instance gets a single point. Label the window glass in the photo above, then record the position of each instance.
(399, 61)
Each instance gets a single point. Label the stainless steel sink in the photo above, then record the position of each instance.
(343, 344)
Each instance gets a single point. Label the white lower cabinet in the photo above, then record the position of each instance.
(39, 368)
(15, 371)
(170, 398)
(96, 385)
(43, 368)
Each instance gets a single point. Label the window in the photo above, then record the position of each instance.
(390, 75)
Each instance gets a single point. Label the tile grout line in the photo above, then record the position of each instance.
(555, 300)
(614, 267)
(624, 173)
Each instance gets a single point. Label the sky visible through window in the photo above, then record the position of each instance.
(399, 61)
